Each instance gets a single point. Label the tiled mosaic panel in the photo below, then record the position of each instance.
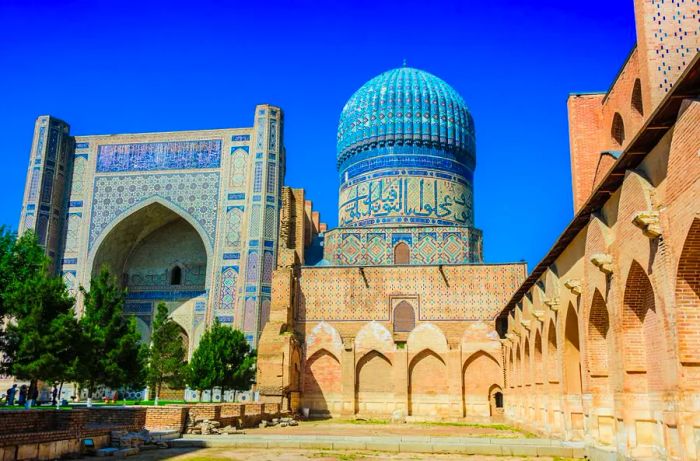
(149, 156)
(476, 292)
(675, 31)
(406, 200)
(229, 277)
(429, 245)
(234, 221)
(193, 193)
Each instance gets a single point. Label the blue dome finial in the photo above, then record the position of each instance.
(404, 62)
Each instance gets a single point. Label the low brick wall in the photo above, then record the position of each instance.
(174, 417)
(166, 418)
(50, 434)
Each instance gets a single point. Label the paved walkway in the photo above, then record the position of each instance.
(407, 444)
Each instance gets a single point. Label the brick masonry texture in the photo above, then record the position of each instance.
(605, 346)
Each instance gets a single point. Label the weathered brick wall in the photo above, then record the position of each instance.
(628, 287)
(23, 426)
(170, 417)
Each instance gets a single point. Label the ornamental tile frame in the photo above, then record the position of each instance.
(81, 192)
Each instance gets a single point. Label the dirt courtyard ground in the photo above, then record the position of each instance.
(374, 428)
(275, 454)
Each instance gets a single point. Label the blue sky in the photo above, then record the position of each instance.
(115, 67)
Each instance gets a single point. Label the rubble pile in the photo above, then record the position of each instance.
(126, 443)
(210, 427)
(281, 422)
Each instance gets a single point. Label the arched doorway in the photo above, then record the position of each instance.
(158, 256)
(688, 300)
(322, 382)
(427, 385)
(374, 387)
(481, 374)
(642, 333)
(598, 343)
(572, 353)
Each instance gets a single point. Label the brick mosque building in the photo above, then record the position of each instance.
(394, 311)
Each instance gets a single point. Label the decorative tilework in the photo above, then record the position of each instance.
(405, 105)
(159, 156)
(34, 185)
(255, 216)
(239, 162)
(268, 266)
(225, 319)
(273, 135)
(406, 199)
(169, 295)
(236, 196)
(265, 311)
(270, 221)
(475, 292)
(240, 137)
(71, 281)
(193, 193)
(234, 221)
(73, 232)
(271, 177)
(138, 308)
(229, 277)
(253, 265)
(69, 261)
(257, 178)
(428, 245)
(82, 145)
(249, 314)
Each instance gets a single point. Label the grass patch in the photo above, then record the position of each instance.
(363, 421)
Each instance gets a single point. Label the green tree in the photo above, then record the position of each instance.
(40, 339)
(21, 259)
(223, 359)
(112, 353)
(166, 359)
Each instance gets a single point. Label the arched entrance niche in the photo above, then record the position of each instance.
(496, 401)
(572, 353)
(158, 256)
(402, 253)
(427, 385)
(374, 388)
(642, 333)
(322, 382)
(552, 361)
(481, 374)
(688, 300)
(598, 343)
(404, 317)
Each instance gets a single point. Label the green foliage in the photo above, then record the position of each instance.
(112, 353)
(223, 359)
(166, 361)
(40, 341)
(21, 259)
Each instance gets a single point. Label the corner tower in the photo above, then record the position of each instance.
(406, 157)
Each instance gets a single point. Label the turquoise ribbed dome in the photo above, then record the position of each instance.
(406, 107)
